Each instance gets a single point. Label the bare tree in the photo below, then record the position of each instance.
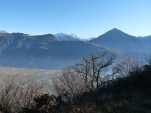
(84, 76)
(69, 83)
(91, 68)
(83, 70)
(16, 95)
(124, 67)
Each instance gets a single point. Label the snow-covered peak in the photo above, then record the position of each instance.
(66, 37)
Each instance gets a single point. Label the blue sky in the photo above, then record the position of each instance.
(86, 18)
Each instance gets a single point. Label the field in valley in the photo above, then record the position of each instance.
(41, 76)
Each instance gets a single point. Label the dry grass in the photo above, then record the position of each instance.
(43, 77)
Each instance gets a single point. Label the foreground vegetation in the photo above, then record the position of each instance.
(84, 89)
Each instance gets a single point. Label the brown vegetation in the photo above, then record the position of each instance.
(84, 88)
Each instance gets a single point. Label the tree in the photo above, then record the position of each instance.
(83, 77)
(91, 69)
(69, 84)
(16, 95)
(124, 67)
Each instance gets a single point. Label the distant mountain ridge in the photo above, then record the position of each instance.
(122, 42)
(42, 51)
(61, 50)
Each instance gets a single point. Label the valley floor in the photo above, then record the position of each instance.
(42, 76)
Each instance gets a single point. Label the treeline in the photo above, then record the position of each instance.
(96, 85)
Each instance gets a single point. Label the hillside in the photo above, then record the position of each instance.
(42, 51)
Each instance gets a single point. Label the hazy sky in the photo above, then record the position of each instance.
(86, 18)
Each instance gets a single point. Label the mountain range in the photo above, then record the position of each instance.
(42, 51)
(61, 50)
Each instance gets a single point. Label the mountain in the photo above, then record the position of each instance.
(123, 43)
(42, 51)
(61, 50)
(66, 37)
